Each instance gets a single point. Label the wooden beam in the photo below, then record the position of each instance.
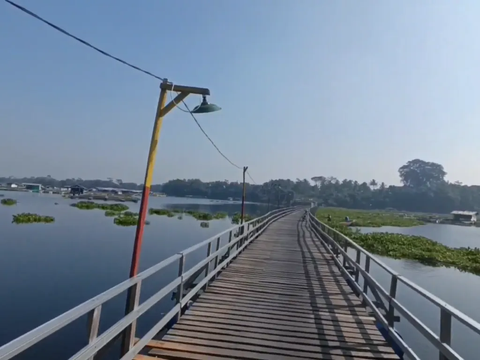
(172, 104)
(187, 89)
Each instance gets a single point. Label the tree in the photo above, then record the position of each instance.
(373, 184)
(421, 174)
(318, 180)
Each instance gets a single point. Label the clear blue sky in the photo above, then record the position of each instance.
(352, 89)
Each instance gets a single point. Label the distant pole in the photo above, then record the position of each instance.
(245, 168)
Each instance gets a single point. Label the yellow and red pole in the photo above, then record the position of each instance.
(147, 185)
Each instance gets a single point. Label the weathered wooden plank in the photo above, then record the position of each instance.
(288, 333)
(298, 315)
(261, 347)
(282, 298)
(282, 340)
(319, 303)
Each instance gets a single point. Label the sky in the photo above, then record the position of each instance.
(350, 89)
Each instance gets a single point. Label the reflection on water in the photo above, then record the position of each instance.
(46, 269)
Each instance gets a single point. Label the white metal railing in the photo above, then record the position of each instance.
(238, 238)
(338, 244)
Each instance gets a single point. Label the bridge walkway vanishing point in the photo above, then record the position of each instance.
(282, 298)
(281, 286)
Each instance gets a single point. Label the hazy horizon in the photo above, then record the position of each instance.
(346, 89)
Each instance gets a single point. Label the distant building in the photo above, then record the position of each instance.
(464, 216)
(12, 185)
(33, 187)
(77, 190)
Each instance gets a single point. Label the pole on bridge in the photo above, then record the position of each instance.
(181, 93)
(245, 168)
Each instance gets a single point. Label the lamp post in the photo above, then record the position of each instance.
(162, 110)
(245, 168)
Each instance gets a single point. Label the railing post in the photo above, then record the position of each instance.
(93, 324)
(367, 270)
(181, 270)
(217, 247)
(357, 260)
(207, 269)
(345, 248)
(393, 294)
(129, 338)
(445, 330)
(230, 235)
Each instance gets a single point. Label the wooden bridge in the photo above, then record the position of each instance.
(282, 286)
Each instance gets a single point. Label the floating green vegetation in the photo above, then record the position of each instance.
(8, 202)
(112, 213)
(160, 212)
(399, 246)
(237, 217)
(195, 214)
(91, 205)
(361, 218)
(127, 218)
(204, 224)
(220, 215)
(27, 218)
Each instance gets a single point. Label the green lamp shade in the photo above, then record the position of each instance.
(205, 107)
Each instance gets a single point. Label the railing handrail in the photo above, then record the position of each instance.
(18, 345)
(442, 343)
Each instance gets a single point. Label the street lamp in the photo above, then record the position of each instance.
(205, 107)
(162, 110)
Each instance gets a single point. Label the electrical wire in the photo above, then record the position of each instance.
(209, 139)
(250, 176)
(86, 43)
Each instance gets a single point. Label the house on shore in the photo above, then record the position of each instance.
(464, 216)
(77, 190)
(36, 188)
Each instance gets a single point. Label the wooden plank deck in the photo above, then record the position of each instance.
(282, 298)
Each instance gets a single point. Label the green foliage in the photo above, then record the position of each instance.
(220, 215)
(366, 218)
(91, 205)
(195, 214)
(127, 218)
(8, 202)
(112, 213)
(421, 174)
(399, 246)
(237, 217)
(27, 218)
(160, 212)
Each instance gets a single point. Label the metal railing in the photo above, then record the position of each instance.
(338, 244)
(238, 238)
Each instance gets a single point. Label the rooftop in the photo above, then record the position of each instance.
(466, 213)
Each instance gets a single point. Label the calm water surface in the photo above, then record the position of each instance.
(461, 290)
(46, 269)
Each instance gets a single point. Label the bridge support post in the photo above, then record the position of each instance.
(393, 294)
(179, 294)
(445, 330)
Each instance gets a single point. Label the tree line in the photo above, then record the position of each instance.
(424, 189)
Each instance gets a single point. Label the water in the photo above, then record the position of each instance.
(461, 290)
(46, 269)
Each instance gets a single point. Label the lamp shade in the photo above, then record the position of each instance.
(205, 107)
